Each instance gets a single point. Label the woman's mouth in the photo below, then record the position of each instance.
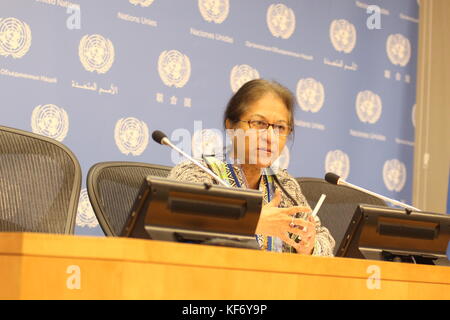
(265, 150)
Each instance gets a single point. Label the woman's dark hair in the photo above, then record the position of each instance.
(251, 92)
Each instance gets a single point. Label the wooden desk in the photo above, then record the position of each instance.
(43, 266)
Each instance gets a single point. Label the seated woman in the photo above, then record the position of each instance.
(259, 119)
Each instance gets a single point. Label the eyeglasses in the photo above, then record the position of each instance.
(279, 129)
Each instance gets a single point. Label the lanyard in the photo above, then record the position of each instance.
(269, 195)
(238, 184)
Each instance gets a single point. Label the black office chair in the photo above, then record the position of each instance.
(40, 182)
(339, 206)
(113, 187)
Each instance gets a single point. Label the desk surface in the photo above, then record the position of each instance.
(44, 266)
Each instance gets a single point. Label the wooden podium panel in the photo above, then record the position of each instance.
(44, 266)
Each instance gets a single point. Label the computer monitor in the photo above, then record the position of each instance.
(196, 213)
(390, 234)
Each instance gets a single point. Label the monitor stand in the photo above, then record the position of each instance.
(388, 256)
(217, 241)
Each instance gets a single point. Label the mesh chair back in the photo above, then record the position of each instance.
(40, 182)
(339, 206)
(113, 188)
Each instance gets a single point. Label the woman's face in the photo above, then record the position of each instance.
(255, 146)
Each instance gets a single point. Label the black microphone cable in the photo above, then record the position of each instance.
(284, 190)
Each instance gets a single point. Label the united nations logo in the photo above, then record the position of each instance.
(214, 10)
(394, 175)
(281, 21)
(174, 68)
(131, 136)
(368, 107)
(96, 53)
(207, 142)
(398, 49)
(338, 162)
(143, 3)
(240, 75)
(310, 95)
(343, 35)
(15, 37)
(51, 121)
(85, 214)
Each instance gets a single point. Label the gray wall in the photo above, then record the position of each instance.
(432, 152)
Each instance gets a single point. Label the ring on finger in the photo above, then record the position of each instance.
(292, 224)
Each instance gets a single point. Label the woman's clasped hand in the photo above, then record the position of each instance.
(282, 223)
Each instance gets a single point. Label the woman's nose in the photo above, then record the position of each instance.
(270, 132)
(268, 136)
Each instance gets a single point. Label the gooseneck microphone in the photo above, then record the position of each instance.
(161, 138)
(335, 179)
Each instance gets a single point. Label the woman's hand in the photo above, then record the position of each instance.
(308, 236)
(277, 222)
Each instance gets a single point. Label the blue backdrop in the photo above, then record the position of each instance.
(101, 75)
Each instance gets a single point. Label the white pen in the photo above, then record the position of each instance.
(313, 214)
(318, 205)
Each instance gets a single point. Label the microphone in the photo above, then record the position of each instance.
(335, 179)
(161, 138)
